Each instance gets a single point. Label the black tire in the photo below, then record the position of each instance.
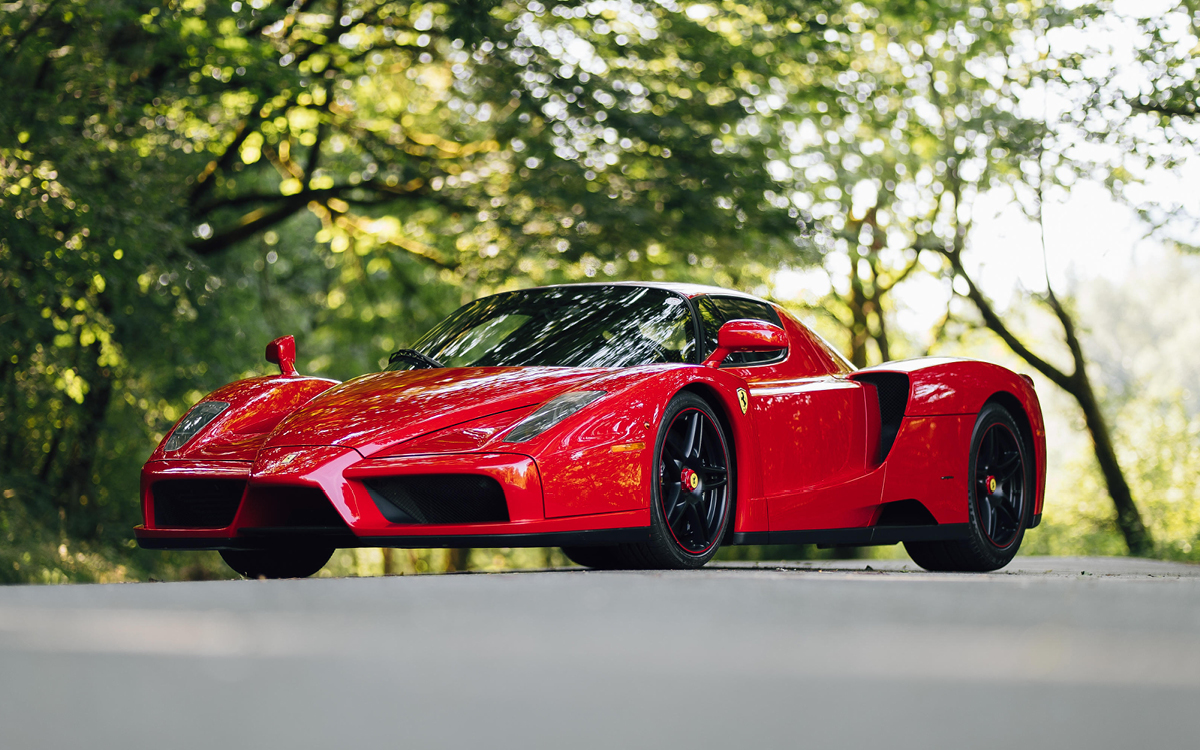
(284, 562)
(687, 533)
(602, 557)
(1000, 497)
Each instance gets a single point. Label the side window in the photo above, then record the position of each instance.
(714, 311)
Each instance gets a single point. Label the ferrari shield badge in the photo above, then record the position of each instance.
(743, 399)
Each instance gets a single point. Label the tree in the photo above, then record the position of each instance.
(179, 181)
(931, 118)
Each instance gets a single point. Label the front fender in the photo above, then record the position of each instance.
(256, 407)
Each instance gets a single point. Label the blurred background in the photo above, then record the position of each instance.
(182, 181)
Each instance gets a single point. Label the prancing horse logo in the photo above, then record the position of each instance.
(743, 399)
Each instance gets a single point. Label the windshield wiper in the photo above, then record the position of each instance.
(414, 357)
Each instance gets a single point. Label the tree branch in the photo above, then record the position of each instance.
(249, 225)
(996, 325)
(205, 181)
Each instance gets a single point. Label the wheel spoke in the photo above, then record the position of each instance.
(674, 491)
(676, 513)
(1008, 467)
(716, 483)
(696, 437)
(677, 453)
(1006, 509)
(989, 523)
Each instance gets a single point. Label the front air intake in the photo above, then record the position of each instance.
(439, 498)
(196, 503)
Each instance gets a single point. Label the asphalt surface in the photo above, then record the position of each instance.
(1063, 653)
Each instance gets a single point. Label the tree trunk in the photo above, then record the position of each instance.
(457, 559)
(1129, 520)
(76, 477)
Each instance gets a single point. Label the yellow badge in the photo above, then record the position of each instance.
(992, 484)
(743, 399)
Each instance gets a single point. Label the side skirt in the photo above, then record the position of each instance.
(266, 538)
(866, 536)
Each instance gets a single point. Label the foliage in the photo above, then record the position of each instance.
(1159, 447)
(183, 180)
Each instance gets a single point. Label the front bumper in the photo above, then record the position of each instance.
(282, 479)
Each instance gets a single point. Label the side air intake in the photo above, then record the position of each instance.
(439, 498)
(892, 389)
(196, 503)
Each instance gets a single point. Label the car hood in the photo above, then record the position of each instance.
(376, 411)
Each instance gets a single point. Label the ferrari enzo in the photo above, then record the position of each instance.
(635, 425)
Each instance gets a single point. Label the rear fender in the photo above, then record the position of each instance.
(944, 387)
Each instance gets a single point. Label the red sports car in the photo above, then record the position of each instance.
(633, 424)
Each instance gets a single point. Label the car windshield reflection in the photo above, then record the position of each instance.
(584, 326)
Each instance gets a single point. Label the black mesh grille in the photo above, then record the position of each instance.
(892, 389)
(439, 498)
(294, 506)
(196, 503)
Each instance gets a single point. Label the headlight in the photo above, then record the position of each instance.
(552, 412)
(194, 421)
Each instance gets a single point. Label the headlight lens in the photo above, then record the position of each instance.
(194, 421)
(552, 412)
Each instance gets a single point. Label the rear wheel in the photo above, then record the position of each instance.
(285, 562)
(1000, 497)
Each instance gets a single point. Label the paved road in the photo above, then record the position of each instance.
(1088, 653)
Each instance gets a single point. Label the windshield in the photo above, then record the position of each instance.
(585, 326)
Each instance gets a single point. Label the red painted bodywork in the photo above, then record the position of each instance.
(806, 450)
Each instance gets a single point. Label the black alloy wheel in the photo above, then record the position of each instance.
(1000, 497)
(691, 490)
(281, 562)
(693, 473)
(1000, 485)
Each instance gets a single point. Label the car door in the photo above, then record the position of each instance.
(812, 423)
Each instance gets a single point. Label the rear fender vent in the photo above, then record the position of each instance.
(439, 498)
(892, 390)
(196, 503)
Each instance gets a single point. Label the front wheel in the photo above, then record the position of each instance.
(286, 562)
(692, 485)
(1000, 497)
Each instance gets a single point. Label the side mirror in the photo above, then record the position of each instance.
(746, 336)
(282, 352)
